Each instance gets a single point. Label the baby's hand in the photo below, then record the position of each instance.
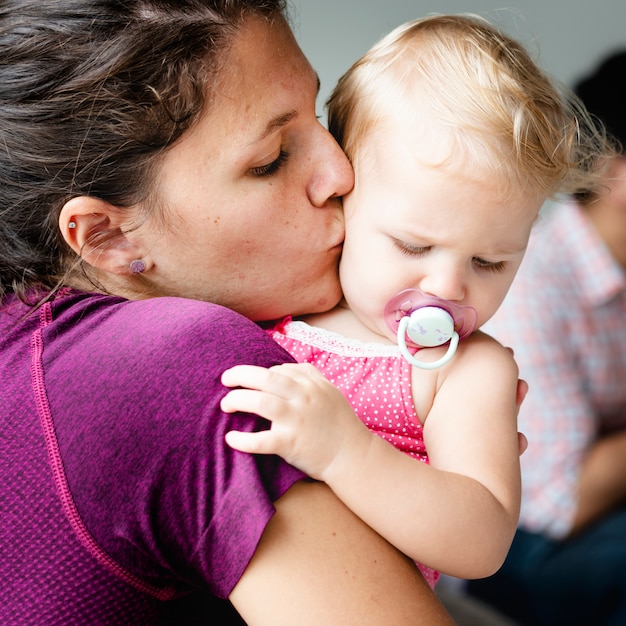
(311, 419)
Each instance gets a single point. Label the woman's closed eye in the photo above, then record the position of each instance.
(270, 168)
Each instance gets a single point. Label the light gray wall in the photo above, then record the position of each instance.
(566, 37)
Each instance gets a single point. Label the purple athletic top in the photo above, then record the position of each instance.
(120, 501)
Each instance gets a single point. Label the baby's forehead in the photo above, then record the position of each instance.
(422, 135)
(425, 190)
(419, 135)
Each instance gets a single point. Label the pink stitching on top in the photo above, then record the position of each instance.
(58, 472)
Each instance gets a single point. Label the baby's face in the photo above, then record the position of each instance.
(412, 226)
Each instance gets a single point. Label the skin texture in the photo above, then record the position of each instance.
(248, 228)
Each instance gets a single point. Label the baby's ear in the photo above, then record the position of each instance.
(93, 229)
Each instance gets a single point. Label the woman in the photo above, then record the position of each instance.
(158, 156)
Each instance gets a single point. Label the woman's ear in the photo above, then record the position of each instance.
(93, 229)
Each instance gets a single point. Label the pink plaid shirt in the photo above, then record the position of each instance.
(565, 317)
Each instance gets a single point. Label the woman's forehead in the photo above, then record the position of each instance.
(266, 80)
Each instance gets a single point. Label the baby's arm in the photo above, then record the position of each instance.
(457, 515)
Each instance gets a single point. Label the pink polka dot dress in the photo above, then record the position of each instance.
(375, 378)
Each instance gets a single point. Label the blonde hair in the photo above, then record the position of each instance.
(492, 101)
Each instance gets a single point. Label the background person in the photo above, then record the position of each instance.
(564, 317)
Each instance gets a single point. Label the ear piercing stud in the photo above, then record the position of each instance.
(137, 266)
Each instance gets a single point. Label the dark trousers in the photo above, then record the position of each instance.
(580, 581)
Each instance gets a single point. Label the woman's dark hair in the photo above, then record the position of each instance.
(91, 93)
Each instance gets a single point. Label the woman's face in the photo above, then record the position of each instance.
(252, 215)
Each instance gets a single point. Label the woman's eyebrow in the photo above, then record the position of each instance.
(276, 124)
(282, 120)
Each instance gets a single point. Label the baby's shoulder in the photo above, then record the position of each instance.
(482, 352)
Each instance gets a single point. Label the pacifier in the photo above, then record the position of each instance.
(423, 321)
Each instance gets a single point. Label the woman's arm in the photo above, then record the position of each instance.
(317, 563)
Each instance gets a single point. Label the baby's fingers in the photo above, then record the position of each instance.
(255, 443)
(280, 379)
(252, 401)
(251, 376)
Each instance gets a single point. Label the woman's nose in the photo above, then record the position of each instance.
(334, 176)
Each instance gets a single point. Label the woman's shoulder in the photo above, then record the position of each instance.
(152, 321)
(160, 313)
(164, 337)
(134, 389)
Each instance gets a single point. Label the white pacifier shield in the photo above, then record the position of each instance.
(430, 326)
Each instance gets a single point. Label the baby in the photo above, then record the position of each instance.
(457, 138)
